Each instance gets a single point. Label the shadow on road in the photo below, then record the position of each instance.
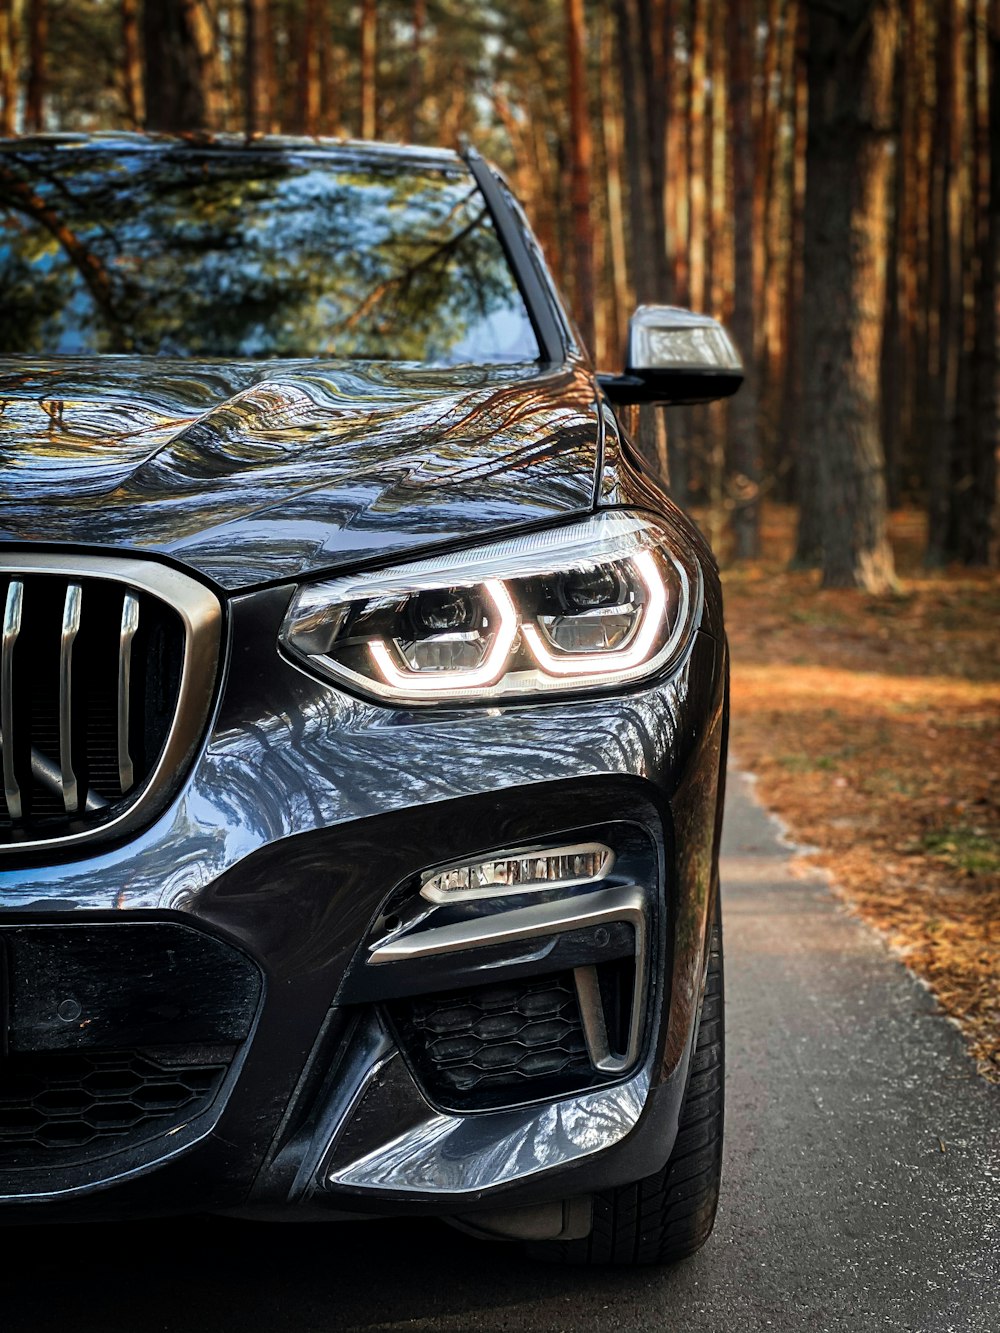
(207, 1275)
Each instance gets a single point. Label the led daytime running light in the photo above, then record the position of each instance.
(622, 659)
(357, 629)
(485, 674)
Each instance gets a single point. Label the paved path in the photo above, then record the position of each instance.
(862, 1185)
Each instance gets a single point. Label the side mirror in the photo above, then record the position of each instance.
(675, 356)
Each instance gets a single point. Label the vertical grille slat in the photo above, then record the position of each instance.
(49, 775)
(13, 608)
(129, 628)
(100, 702)
(72, 607)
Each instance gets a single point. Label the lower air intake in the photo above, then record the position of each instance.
(64, 1108)
(498, 1045)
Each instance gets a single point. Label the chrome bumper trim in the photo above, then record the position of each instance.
(443, 1155)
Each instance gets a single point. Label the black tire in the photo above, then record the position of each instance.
(669, 1215)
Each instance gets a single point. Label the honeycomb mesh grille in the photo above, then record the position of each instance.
(70, 1107)
(496, 1045)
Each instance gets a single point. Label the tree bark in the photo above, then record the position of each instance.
(38, 37)
(655, 36)
(977, 536)
(309, 101)
(8, 67)
(369, 62)
(330, 64)
(677, 202)
(416, 94)
(891, 364)
(776, 209)
(643, 204)
(697, 155)
(612, 129)
(851, 59)
(132, 63)
(581, 154)
(744, 457)
(173, 68)
(200, 22)
(258, 69)
(790, 479)
(901, 404)
(946, 295)
(766, 133)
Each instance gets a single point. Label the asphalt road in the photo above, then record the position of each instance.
(862, 1186)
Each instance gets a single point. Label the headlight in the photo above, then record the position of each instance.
(597, 603)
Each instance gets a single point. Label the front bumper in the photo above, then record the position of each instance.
(304, 810)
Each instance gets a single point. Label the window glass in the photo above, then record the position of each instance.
(252, 254)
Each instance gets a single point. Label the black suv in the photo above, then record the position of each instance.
(363, 707)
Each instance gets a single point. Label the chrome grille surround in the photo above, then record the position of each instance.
(88, 814)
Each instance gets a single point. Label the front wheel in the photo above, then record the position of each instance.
(670, 1214)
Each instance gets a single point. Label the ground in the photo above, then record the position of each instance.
(872, 726)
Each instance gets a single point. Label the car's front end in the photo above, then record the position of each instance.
(363, 749)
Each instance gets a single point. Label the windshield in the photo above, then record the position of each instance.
(250, 254)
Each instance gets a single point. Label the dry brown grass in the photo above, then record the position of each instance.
(872, 724)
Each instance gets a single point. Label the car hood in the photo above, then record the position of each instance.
(259, 472)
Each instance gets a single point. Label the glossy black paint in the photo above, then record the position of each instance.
(142, 983)
(670, 386)
(255, 472)
(306, 808)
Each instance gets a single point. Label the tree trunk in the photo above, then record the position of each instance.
(719, 263)
(309, 102)
(581, 153)
(682, 136)
(946, 295)
(174, 86)
(766, 123)
(891, 366)
(697, 155)
(655, 35)
(963, 220)
(776, 212)
(790, 483)
(612, 127)
(719, 259)
(647, 259)
(132, 63)
(677, 203)
(977, 543)
(330, 58)
(369, 60)
(8, 67)
(200, 23)
(419, 18)
(38, 37)
(258, 70)
(744, 458)
(901, 414)
(851, 60)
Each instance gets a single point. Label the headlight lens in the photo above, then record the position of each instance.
(594, 604)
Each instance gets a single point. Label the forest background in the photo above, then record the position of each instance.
(824, 176)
